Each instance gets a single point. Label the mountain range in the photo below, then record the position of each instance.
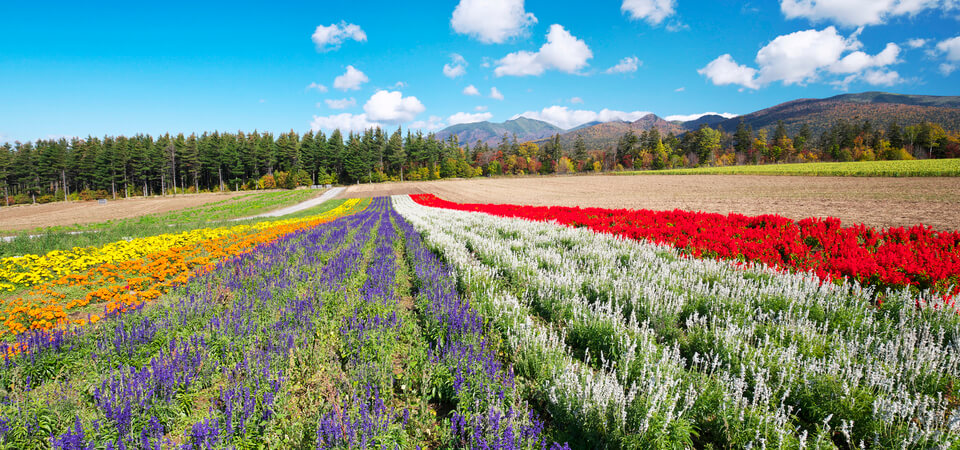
(818, 114)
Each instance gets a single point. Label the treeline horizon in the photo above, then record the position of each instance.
(118, 166)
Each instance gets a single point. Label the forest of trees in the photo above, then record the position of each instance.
(112, 167)
(844, 141)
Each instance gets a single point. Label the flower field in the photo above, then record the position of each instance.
(918, 256)
(124, 274)
(400, 324)
(626, 344)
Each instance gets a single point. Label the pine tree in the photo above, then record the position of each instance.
(333, 154)
(579, 149)
(894, 135)
(354, 166)
(802, 138)
(6, 161)
(395, 153)
(742, 138)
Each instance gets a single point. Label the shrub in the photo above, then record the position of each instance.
(21, 199)
(302, 178)
(267, 182)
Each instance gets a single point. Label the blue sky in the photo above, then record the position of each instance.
(75, 68)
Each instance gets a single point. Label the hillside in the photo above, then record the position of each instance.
(877, 107)
(491, 133)
(606, 134)
(819, 114)
(710, 120)
(886, 97)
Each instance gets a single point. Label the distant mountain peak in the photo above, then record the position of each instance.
(525, 128)
(817, 114)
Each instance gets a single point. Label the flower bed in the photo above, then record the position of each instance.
(917, 256)
(124, 274)
(625, 344)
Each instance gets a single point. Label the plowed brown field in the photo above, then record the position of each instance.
(26, 217)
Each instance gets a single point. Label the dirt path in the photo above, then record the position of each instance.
(879, 202)
(313, 202)
(25, 217)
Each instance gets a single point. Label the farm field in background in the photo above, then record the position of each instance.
(912, 168)
(86, 215)
(415, 321)
(64, 237)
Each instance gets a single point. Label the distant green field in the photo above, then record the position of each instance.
(42, 240)
(917, 168)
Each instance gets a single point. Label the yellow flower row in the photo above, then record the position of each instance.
(29, 270)
(120, 286)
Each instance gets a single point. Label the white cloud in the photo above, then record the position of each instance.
(947, 69)
(881, 77)
(392, 107)
(724, 70)
(576, 100)
(680, 89)
(319, 87)
(434, 123)
(330, 37)
(462, 117)
(399, 85)
(856, 13)
(796, 57)
(689, 117)
(471, 90)
(495, 94)
(456, 68)
(453, 71)
(351, 79)
(917, 42)
(951, 47)
(626, 65)
(343, 122)
(653, 11)
(519, 64)
(563, 52)
(491, 21)
(858, 61)
(805, 56)
(566, 118)
(480, 108)
(342, 103)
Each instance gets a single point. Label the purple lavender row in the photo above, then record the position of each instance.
(489, 412)
(244, 410)
(363, 418)
(247, 350)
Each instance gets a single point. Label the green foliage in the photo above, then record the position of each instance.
(899, 168)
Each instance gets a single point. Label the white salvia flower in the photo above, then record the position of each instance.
(768, 332)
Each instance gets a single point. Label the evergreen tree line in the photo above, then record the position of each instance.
(112, 167)
(48, 170)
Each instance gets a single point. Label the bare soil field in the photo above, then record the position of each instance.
(26, 217)
(878, 202)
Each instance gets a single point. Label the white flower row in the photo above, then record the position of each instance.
(762, 337)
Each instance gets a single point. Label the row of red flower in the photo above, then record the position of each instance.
(916, 256)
